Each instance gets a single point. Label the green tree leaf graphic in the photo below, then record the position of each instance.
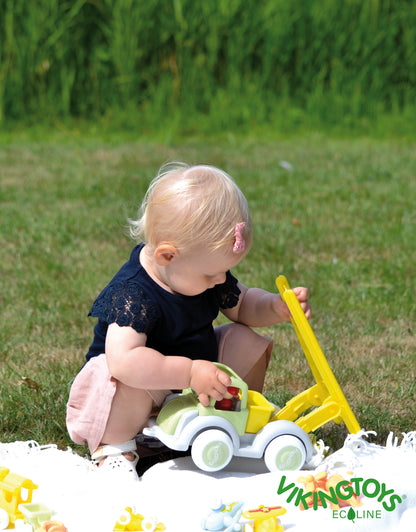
(351, 515)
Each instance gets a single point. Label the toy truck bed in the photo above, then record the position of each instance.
(259, 411)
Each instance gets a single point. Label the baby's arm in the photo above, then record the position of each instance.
(133, 363)
(259, 308)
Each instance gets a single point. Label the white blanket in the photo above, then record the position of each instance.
(180, 496)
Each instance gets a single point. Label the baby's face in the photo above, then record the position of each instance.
(191, 273)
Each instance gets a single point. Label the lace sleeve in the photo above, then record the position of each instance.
(125, 303)
(228, 292)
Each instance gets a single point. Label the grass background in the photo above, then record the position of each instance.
(340, 220)
(209, 65)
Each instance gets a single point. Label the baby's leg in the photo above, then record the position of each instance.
(245, 351)
(130, 412)
(101, 410)
(255, 377)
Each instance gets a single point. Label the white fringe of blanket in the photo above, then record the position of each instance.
(354, 449)
(67, 480)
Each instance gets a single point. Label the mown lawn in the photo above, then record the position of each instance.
(337, 216)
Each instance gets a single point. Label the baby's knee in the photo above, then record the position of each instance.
(241, 347)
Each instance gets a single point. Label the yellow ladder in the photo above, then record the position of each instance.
(326, 395)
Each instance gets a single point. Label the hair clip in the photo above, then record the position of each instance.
(239, 243)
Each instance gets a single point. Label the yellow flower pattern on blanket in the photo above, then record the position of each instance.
(321, 486)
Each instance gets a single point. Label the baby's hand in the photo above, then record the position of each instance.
(208, 381)
(302, 294)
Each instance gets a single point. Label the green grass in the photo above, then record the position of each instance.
(342, 221)
(86, 59)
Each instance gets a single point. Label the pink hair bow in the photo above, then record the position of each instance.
(239, 243)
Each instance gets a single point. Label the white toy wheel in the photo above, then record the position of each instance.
(149, 524)
(212, 450)
(4, 519)
(285, 453)
(124, 517)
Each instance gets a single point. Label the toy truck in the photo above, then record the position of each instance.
(14, 491)
(216, 435)
(247, 424)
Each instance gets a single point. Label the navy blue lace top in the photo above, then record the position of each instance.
(174, 324)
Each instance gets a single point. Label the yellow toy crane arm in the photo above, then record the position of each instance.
(326, 395)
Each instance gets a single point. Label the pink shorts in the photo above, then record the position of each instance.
(93, 389)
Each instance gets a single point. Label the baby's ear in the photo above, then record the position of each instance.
(165, 253)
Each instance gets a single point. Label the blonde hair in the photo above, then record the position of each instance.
(189, 206)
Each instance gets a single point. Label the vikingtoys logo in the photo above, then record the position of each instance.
(337, 492)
